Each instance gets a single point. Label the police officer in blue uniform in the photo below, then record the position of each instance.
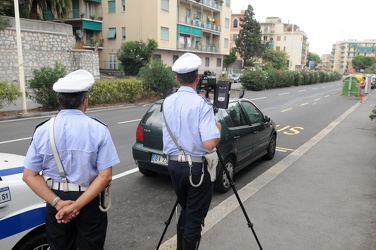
(189, 132)
(87, 154)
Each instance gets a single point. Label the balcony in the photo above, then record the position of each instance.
(75, 14)
(210, 4)
(198, 47)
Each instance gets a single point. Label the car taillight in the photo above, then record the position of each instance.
(140, 133)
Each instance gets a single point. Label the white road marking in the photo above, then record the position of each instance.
(137, 120)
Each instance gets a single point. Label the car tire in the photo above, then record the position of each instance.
(147, 172)
(271, 148)
(38, 241)
(222, 184)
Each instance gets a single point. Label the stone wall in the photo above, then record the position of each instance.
(43, 44)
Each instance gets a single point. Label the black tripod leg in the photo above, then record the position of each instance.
(250, 225)
(167, 223)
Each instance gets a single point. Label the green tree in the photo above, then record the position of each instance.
(228, 59)
(39, 6)
(248, 43)
(158, 77)
(276, 59)
(41, 85)
(313, 57)
(134, 55)
(362, 62)
(371, 69)
(61, 8)
(8, 93)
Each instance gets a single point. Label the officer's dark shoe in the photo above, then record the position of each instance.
(179, 237)
(191, 245)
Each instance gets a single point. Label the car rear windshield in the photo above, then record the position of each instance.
(153, 116)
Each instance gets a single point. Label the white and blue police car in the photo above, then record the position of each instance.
(22, 213)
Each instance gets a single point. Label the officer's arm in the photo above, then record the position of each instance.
(211, 144)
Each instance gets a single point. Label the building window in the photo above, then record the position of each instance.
(157, 57)
(278, 48)
(123, 33)
(164, 33)
(207, 61)
(165, 5)
(265, 38)
(234, 37)
(122, 5)
(228, 3)
(111, 33)
(284, 38)
(227, 23)
(113, 61)
(266, 29)
(219, 62)
(111, 6)
(235, 23)
(174, 58)
(278, 38)
(226, 43)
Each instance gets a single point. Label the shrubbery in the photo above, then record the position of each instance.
(41, 85)
(111, 91)
(257, 79)
(158, 77)
(8, 93)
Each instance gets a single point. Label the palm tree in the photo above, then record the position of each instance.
(39, 6)
(61, 8)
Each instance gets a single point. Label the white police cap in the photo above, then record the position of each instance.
(188, 62)
(76, 81)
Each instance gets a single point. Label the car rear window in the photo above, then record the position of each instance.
(153, 116)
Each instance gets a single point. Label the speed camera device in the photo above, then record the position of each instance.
(222, 94)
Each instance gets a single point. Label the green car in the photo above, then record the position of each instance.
(247, 135)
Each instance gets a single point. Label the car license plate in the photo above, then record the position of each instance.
(4, 194)
(159, 159)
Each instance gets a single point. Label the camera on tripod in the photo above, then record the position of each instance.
(207, 82)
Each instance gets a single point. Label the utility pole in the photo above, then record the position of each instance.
(20, 58)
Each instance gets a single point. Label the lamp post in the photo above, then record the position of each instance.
(20, 58)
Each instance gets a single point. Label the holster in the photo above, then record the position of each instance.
(212, 162)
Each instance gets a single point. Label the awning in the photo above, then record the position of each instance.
(111, 34)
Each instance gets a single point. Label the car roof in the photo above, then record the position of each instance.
(11, 166)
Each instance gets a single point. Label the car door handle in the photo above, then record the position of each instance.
(236, 136)
(255, 132)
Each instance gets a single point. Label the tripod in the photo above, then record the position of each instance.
(232, 184)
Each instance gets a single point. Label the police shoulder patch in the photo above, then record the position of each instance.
(98, 121)
(206, 100)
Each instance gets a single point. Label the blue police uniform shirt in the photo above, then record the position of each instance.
(85, 146)
(191, 120)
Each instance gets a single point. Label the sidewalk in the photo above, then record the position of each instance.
(321, 196)
(325, 198)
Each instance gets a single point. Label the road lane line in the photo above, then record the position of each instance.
(125, 173)
(286, 93)
(302, 90)
(303, 104)
(21, 139)
(259, 98)
(137, 120)
(318, 99)
(285, 110)
(222, 210)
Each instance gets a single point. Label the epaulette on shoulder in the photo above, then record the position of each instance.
(41, 123)
(206, 100)
(98, 121)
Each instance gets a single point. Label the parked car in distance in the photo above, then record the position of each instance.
(247, 135)
(234, 77)
(22, 213)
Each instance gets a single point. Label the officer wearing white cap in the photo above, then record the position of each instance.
(189, 132)
(87, 153)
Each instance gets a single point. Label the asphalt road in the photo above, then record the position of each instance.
(141, 205)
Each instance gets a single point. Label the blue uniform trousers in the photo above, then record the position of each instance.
(194, 201)
(86, 231)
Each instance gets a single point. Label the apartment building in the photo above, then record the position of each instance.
(179, 26)
(326, 63)
(344, 51)
(286, 37)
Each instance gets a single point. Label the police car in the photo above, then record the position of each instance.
(22, 213)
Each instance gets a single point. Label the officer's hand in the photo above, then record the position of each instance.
(67, 213)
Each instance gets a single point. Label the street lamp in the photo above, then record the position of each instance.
(20, 58)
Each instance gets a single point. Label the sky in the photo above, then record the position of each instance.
(325, 22)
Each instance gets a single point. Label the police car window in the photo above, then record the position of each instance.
(236, 115)
(253, 113)
(153, 116)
